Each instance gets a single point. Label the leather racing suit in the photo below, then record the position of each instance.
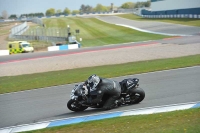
(109, 87)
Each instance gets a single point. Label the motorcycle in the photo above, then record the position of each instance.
(79, 96)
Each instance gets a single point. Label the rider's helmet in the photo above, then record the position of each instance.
(93, 80)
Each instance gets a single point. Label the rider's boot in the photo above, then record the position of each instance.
(120, 101)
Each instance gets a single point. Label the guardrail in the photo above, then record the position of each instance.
(195, 16)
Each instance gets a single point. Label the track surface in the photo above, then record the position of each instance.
(153, 26)
(178, 40)
(145, 25)
(98, 56)
(162, 88)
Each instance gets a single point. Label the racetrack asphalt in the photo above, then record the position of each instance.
(162, 88)
(110, 54)
(97, 56)
(153, 26)
(169, 40)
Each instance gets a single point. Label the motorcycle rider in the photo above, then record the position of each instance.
(104, 86)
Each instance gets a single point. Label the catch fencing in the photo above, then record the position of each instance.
(41, 33)
(40, 38)
(19, 29)
(37, 21)
(38, 33)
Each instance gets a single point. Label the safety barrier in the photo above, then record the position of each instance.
(19, 29)
(4, 52)
(40, 38)
(51, 48)
(195, 16)
(64, 47)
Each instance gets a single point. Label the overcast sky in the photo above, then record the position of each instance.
(32, 6)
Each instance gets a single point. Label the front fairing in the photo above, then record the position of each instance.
(76, 92)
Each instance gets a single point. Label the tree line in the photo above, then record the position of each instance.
(129, 5)
(97, 8)
(14, 16)
(83, 9)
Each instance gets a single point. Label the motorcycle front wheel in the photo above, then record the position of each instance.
(73, 106)
(137, 95)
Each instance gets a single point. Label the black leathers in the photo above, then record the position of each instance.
(111, 88)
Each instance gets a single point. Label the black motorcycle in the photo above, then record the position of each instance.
(132, 95)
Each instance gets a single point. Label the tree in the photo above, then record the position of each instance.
(50, 12)
(82, 8)
(128, 5)
(30, 15)
(66, 11)
(13, 16)
(101, 8)
(85, 8)
(75, 12)
(5, 14)
(143, 4)
(147, 4)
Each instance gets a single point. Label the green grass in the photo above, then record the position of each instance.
(97, 33)
(183, 21)
(38, 45)
(3, 28)
(185, 121)
(39, 80)
(4, 32)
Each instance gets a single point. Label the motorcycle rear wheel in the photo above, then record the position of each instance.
(137, 95)
(73, 106)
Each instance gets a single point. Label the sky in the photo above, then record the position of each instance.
(34, 6)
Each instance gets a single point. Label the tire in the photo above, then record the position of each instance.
(71, 104)
(137, 95)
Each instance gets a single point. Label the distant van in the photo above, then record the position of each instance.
(20, 47)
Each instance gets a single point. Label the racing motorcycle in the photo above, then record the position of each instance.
(132, 95)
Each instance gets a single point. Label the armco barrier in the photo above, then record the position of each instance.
(195, 16)
(4, 52)
(63, 47)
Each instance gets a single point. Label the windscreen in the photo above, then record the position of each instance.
(26, 45)
(78, 90)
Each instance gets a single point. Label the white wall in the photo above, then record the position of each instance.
(174, 4)
(4, 52)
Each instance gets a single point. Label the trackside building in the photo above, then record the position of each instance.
(181, 8)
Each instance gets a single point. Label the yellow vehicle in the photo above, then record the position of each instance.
(20, 47)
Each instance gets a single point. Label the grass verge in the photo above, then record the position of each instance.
(39, 80)
(185, 121)
(97, 33)
(183, 21)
